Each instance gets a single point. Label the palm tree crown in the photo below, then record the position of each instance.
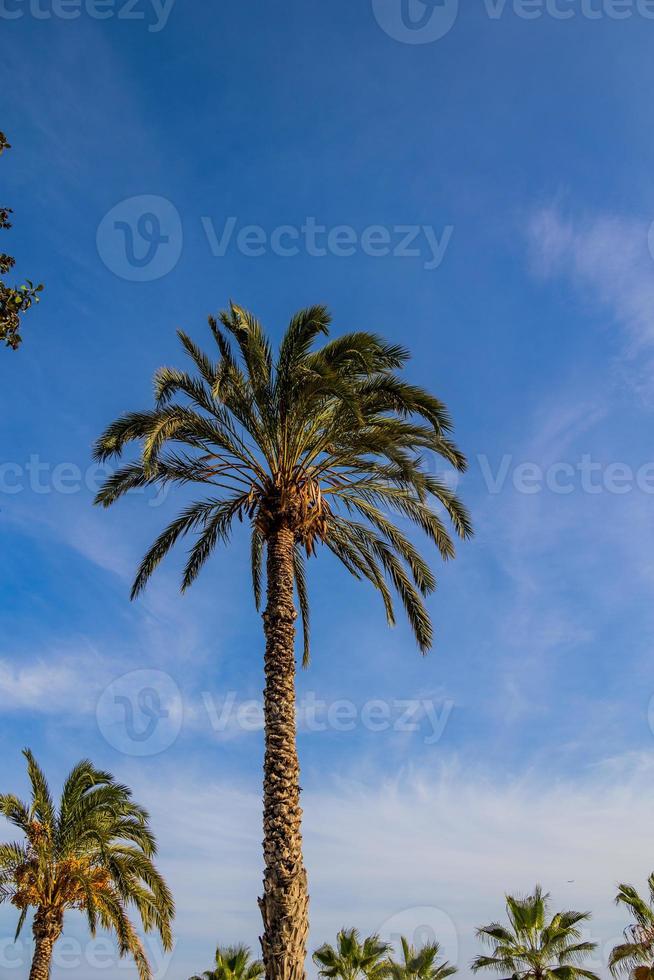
(92, 853)
(352, 959)
(233, 963)
(535, 945)
(420, 964)
(329, 442)
(635, 957)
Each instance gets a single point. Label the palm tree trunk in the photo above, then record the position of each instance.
(41, 959)
(285, 901)
(46, 932)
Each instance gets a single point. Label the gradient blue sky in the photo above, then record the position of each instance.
(532, 139)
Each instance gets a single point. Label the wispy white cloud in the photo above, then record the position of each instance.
(52, 685)
(607, 259)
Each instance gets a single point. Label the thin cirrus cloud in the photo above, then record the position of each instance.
(49, 686)
(607, 258)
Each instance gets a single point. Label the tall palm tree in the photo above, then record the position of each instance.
(233, 963)
(536, 946)
(352, 959)
(311, 447)
(635, 957)
(420, 964)
(92, 853)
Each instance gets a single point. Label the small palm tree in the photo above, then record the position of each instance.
(352, 959)
(312, 447)
(635, 957)
(92, 853)
(233, 963)
(536, 946)
(420, 964)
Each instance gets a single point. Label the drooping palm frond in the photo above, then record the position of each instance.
(92, 853)
(330, 440)
(535, 945)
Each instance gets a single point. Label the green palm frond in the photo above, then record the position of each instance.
(216, 527)
(641, 911)
(12, 855)
(626, 956)
(303, 602)
(15, 811)
(257, 549)
(42, 805)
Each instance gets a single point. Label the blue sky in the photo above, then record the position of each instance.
(516, 151)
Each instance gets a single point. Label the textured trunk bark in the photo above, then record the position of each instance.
(41, 960)
(284, 905)
(46, 931)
